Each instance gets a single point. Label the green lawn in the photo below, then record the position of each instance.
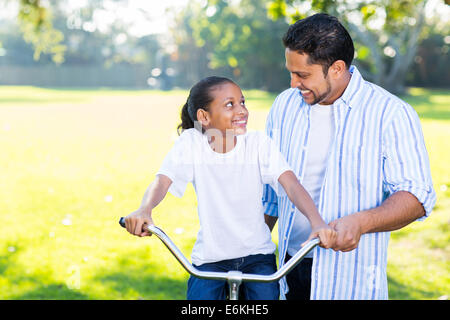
(74, 161)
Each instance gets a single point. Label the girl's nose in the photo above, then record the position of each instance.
(243, 110)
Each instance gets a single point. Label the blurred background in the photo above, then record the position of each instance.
(90, 98)
(173, 43)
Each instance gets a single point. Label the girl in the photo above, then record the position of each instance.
(228, 168)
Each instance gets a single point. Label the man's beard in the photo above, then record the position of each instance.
(323, 96)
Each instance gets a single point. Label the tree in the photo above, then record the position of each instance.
(61, 33)
(37, 27)
(386, 33)
(231, 38)
(44, 25)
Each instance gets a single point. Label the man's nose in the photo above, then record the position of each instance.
(295, 81)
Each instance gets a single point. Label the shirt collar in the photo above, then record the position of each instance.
(350, 96)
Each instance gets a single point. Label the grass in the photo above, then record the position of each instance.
(74, 161)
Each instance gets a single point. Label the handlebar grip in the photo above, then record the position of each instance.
(151, 227)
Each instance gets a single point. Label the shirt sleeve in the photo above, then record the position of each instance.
(178, 165)
(406, 164)
(272, 164)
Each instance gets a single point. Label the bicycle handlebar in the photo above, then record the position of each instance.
(237, 275)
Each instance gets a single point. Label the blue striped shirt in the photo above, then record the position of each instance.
(378, 149)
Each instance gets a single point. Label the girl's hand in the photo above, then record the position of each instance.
(325, 233)
(137, 221)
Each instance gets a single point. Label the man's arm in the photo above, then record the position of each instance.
(396, 212)
(406, 176)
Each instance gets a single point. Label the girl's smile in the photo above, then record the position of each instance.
(242, 123)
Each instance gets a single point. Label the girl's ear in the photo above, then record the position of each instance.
(203, 117)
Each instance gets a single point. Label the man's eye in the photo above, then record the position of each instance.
(301, 76)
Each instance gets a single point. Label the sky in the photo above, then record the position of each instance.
(146, 16)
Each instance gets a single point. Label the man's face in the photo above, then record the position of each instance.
(308, 78)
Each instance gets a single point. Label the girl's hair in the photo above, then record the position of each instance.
(199, 98)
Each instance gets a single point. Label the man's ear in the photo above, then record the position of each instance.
(203, 117)
(337, 69)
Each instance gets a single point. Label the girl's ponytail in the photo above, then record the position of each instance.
(186, 121)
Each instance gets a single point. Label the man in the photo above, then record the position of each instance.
(360, 153)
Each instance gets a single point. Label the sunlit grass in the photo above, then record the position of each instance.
(73, 161)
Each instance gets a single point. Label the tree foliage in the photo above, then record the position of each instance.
(231, 38)
(236, 38)
(36, 24)
(386, 33)
(61, 34)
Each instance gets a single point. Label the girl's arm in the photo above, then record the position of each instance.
(154, 194)
(303, 201)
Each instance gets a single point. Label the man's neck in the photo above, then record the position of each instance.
(340, 87)
(343, 84)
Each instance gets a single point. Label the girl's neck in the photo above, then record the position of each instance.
(222, 143)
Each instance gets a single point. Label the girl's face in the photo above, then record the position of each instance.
(227, 112)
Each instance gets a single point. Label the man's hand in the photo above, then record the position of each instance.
(349, 232)
(397, 211)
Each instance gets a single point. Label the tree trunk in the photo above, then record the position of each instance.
(396, 75)
(391, 75)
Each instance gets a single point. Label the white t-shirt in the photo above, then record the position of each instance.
(321, 137)
(229, 189)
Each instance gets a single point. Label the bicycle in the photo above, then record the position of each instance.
(234, 278)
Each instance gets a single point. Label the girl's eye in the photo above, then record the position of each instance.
(229, 104)
(243, 103)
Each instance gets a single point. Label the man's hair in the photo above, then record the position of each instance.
(323, 38)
